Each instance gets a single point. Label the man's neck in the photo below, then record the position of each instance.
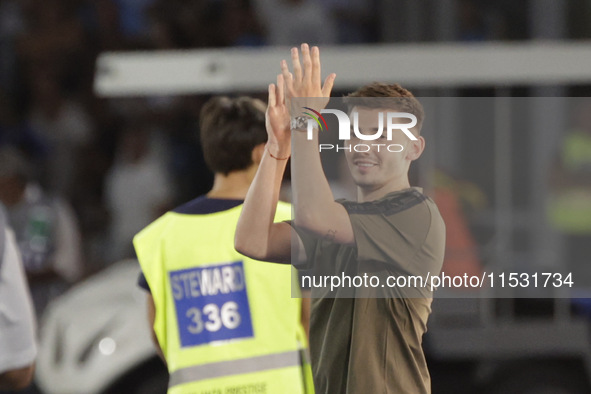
(232, 186)
(367, 194)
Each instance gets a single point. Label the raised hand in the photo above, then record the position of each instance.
(277, 121)
(306, 82)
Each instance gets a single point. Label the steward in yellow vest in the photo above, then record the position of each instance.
(224, 323)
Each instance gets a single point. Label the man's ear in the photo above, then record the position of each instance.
(257, 154)
(415, 149)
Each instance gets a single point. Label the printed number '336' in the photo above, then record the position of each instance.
(228, 316)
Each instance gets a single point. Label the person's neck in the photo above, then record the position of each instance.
(369, 194)
(232, 186)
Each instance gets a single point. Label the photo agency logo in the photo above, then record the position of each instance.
(349, 129)
(317, 118)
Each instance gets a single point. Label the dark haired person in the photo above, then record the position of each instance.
(223, 322)
(45, 228)
(367, 340)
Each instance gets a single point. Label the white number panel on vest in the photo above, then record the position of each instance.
(211, 303)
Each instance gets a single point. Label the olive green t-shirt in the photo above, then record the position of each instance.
(369, 339)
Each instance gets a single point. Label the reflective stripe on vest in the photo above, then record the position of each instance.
(235, 367)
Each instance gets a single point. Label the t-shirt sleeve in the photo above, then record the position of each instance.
(17, 321)
(142, 282)
(310, 243)
(148, 244)
(391, 231)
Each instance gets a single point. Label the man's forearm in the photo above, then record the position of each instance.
(312, 193)
(315, 208)
(253, 232)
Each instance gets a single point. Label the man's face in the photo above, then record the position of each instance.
(379, 168)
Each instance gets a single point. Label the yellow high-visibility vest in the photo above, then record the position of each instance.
(225, 323)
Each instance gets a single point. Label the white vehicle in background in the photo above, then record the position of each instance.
(95, 339)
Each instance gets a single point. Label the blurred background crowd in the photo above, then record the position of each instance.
(116, 165)
(88, 173)
(81, 175)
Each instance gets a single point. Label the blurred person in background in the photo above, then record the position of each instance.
(353, 20)
(137, 189)
(181, 24)
(223, 322)
(64, 127)
(189, 171)
(289, 22)
(569, 208)
(241, 26)
(53, 39)
(472, 26)
(17, 132)
(45, 227)
(12, 25)
(133, 20)
(17, 322)
(103, 25)
(455, 198)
